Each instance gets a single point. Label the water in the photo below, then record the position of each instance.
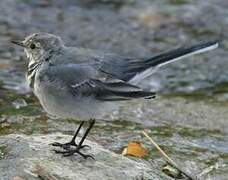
(188, 119)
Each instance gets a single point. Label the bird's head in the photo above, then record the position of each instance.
(40, 46)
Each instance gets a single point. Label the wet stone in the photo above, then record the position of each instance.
(31, 156)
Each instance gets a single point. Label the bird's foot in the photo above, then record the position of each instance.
(71, 152)
(68, 151)
(68, 145)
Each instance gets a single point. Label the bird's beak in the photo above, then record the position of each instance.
(19, 43)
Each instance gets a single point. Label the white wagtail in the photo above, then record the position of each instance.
(72, 82)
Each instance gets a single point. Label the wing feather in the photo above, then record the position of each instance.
(107, 91)
(84, 81)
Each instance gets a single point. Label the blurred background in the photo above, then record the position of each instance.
(189, 118)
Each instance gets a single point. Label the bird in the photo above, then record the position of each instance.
(80, 83)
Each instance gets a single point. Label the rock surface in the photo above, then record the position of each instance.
(30, 157)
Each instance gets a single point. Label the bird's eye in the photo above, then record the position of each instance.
(32, 46)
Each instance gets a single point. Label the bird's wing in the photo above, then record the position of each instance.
(83, 80)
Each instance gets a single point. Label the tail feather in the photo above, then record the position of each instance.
(180, 53)
(148, 66)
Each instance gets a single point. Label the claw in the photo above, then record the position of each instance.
(86, 146)
(64, 145)
(72, 152)
(90, 156)
(56, 144)
(67, 146)
(60, 152)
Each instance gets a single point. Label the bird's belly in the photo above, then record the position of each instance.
(60, 103)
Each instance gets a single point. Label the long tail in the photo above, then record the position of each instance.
(146, 68)
(181, 53)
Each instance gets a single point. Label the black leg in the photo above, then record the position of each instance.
(72, 142)
(76, 133)
(70, 152)
(92, 122)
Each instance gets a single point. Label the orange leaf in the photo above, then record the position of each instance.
(134, 148)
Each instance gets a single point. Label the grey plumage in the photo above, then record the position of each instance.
(74, 82)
